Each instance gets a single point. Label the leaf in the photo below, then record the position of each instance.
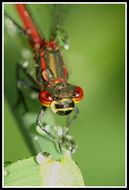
(43, 171)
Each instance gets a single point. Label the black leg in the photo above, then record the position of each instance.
(70, 120)
(71, 144)
(21, 99)
(55, 139)
(64, 141)
(21, 83)
(67, 142)
(20, 68)
(38, 69)
(40, 124)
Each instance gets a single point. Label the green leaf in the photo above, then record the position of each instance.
(43, 171)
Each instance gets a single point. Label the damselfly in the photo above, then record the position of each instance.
(51, 73)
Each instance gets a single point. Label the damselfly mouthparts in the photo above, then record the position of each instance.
(51, 73)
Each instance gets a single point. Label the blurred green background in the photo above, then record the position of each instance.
(96, 61)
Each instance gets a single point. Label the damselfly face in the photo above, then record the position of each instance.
(61, 97)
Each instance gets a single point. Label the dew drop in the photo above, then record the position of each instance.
(25, 64)
(25, 53)
(66, 46)
(47, 128)
(40, 158)
(10, 27)
(60, 132)
(35, 138)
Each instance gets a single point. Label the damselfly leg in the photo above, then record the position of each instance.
(40, 124)
(71, 119)
(57, 134)
(47, 131)
(22, 83)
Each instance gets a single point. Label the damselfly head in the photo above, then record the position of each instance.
(60, 106)
(61, 97)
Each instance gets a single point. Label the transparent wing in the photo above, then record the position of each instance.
(59, 14)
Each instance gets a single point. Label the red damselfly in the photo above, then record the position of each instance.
(51, 80)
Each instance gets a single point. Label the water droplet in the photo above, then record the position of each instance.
(66, 46)
(25, 64)
(25, 53)
(35, 138)
(60, 132)
(10, 27)
(6, 173)
(40, 158)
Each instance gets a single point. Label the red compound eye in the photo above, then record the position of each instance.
(78, 94)
(45, 98)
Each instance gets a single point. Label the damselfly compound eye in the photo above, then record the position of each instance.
(78, 95)
(45, 98)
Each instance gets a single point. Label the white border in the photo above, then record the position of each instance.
(65, 2)
(125, 93)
